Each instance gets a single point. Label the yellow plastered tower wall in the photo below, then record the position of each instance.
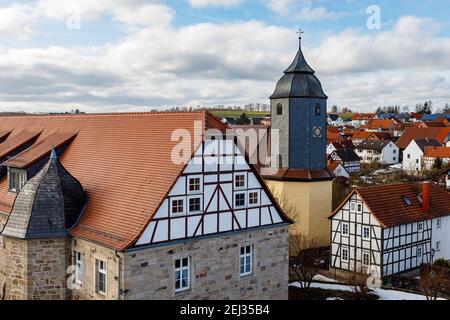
(309, 204)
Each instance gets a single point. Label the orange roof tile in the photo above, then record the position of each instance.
(361, 135)
(39, 150)
(123, 162)
(17, 139)
(387, 205)
(437, 152)
(439, 134)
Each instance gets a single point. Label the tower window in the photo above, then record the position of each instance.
(318, 110)
(280, 161)
(279, 109)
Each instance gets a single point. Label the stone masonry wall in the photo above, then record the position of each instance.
(90, 252)
(48, 260)
(13, 261)
(149, 273)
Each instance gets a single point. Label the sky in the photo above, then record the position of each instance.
(137, 55)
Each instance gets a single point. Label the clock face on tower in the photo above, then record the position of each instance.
(317, 132)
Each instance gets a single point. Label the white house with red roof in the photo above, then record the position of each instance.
(387, 230)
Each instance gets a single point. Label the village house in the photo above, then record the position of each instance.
(343, 144)
(414, 133)
(390, 229)
(348, 158)
(380, 125)
(383, 152)
(434, 155)
(143, 206)
(360, 119)
(414, 152)
(334, 120)
(338, 169)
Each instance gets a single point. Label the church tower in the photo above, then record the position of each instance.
(298, 138)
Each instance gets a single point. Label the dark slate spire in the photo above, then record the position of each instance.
(299, 80)
(48, 205)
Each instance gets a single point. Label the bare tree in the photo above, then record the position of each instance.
(359, 280)
(434, 281)
(308, 256)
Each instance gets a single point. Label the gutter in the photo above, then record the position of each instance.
(118, 275)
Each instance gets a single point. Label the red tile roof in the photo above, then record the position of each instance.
(387, 204)
(439, 134)
(437, 152)
(17, 139)
(122, 160)
(40, 150)
(361, 135)
(381, 124)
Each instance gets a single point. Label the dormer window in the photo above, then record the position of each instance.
(16, 179)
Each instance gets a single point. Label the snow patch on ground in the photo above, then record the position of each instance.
(383, 294)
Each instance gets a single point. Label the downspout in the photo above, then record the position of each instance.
(118, 275)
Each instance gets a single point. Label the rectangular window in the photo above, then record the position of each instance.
(182, 275)
(253, 198)
(177, 206)
(366, 233)
(246, 261)
(360, 208)
(438, 246)
(420, 226)
(16, 180)
(344, 254)
(438, 222)
(78, 267)
(194, 184)
(366, 259)
(239, 200)
(409, 156)
(345, 228)
(352, 206)
(239, 181)
(419, 252)
(194, 205)
(100, 267)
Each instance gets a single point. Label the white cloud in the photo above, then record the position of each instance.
(303, 10)
(15, 22)
(214, 3)
(235, 63)
(282, 7)
(310, 13)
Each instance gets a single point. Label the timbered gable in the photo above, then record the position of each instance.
(356, 238)
(217, 192)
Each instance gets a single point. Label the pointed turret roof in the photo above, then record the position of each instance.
(49, 204)
(299, 81)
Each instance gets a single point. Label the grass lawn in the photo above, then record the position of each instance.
(237, 113)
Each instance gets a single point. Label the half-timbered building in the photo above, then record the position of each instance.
(135, 206)
(386, 230)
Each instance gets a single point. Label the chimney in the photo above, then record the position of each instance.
(426, 196)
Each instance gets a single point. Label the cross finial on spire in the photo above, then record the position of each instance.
(53, 153)
(300, 32)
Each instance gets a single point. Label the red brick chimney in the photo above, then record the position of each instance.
(426, 196)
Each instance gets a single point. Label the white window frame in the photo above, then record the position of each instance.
(359, 208)
(235, 180)
(245, 199)
(257, 198)
(246, 259)
(438, 246)
(20, 179)
(363, 233)
(348, 228)
(438, 223)
(188, 205)
(99, 272)
(419, 252)
(78, 267)
(200, 190)
(365, 254)
(172, 207)
(180, 270)
(342, 255)
(420, 226)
